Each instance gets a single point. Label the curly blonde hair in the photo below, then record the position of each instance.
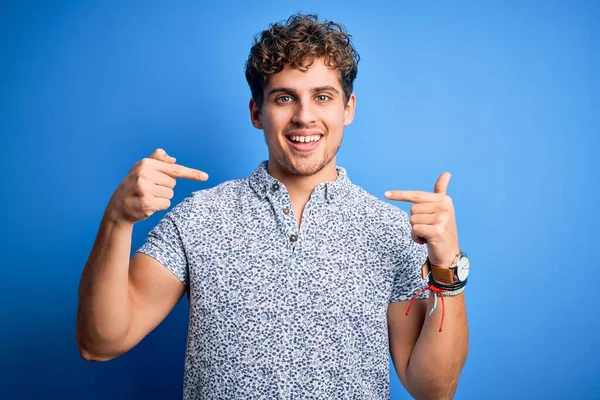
(299, 42)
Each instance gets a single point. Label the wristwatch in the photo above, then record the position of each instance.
(456, 273)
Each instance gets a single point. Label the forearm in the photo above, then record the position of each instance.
(438, 357)
(104, 308)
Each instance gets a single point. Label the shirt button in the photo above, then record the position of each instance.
(275, 186)
(286, 211)
(293, 238)
(330, 197)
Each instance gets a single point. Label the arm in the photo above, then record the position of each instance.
(122, 300)
(429, 362)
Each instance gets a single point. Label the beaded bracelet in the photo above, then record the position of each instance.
(449, 293)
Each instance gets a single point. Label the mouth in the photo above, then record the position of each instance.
(304, 143)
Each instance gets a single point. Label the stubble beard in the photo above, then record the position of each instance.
(304, 169)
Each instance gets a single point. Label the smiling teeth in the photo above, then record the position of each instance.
(305, 139)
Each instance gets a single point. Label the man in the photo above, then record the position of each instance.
(299, 282)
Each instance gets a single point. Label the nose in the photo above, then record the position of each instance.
(303, 114)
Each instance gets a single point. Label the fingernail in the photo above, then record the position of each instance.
(388, 194)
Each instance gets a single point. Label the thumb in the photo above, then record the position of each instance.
(441, 186)
(161, 155)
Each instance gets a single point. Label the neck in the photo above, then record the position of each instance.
(301, 187)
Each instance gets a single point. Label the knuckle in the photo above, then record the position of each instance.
(135, 172)
(139, 184)
(442, 219)
(141, 175)
(145, 203)
(439, 230)
(175, 172)
(442, 206)
(413, 209)
(448, 201)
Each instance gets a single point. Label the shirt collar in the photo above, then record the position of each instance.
(263, 184)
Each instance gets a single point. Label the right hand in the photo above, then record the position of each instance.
(148, 187)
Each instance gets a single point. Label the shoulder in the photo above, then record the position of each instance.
(220, 197)
(221, 191)
(209, 205)
(207, 200)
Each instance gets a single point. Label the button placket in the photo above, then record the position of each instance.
(282, 202)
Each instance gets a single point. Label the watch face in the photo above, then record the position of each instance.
(462, 268)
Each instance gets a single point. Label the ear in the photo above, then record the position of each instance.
(349, 111)
(255, 115)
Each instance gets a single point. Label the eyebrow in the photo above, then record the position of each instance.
(292, 91)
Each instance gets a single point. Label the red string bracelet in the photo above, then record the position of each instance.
(436, 291)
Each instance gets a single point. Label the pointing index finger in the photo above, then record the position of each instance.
(179, 171)
(412, 196)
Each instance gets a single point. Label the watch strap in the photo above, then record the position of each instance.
(440, 274)
(443, 275)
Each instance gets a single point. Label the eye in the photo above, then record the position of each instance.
(284, 99)
(323, 98)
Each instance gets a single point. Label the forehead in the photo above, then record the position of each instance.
(317, 75)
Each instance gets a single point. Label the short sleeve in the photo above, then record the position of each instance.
(166, 241)
(407, 257)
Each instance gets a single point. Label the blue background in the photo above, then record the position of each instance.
(504, 95)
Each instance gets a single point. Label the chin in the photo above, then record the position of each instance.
(305, 167)
(305, 171)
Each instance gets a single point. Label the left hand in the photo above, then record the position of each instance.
(432, 220)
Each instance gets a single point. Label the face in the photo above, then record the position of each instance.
(303, 118)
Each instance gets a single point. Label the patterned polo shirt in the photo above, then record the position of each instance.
(278, 312)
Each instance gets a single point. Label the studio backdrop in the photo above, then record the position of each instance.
(502, 94)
